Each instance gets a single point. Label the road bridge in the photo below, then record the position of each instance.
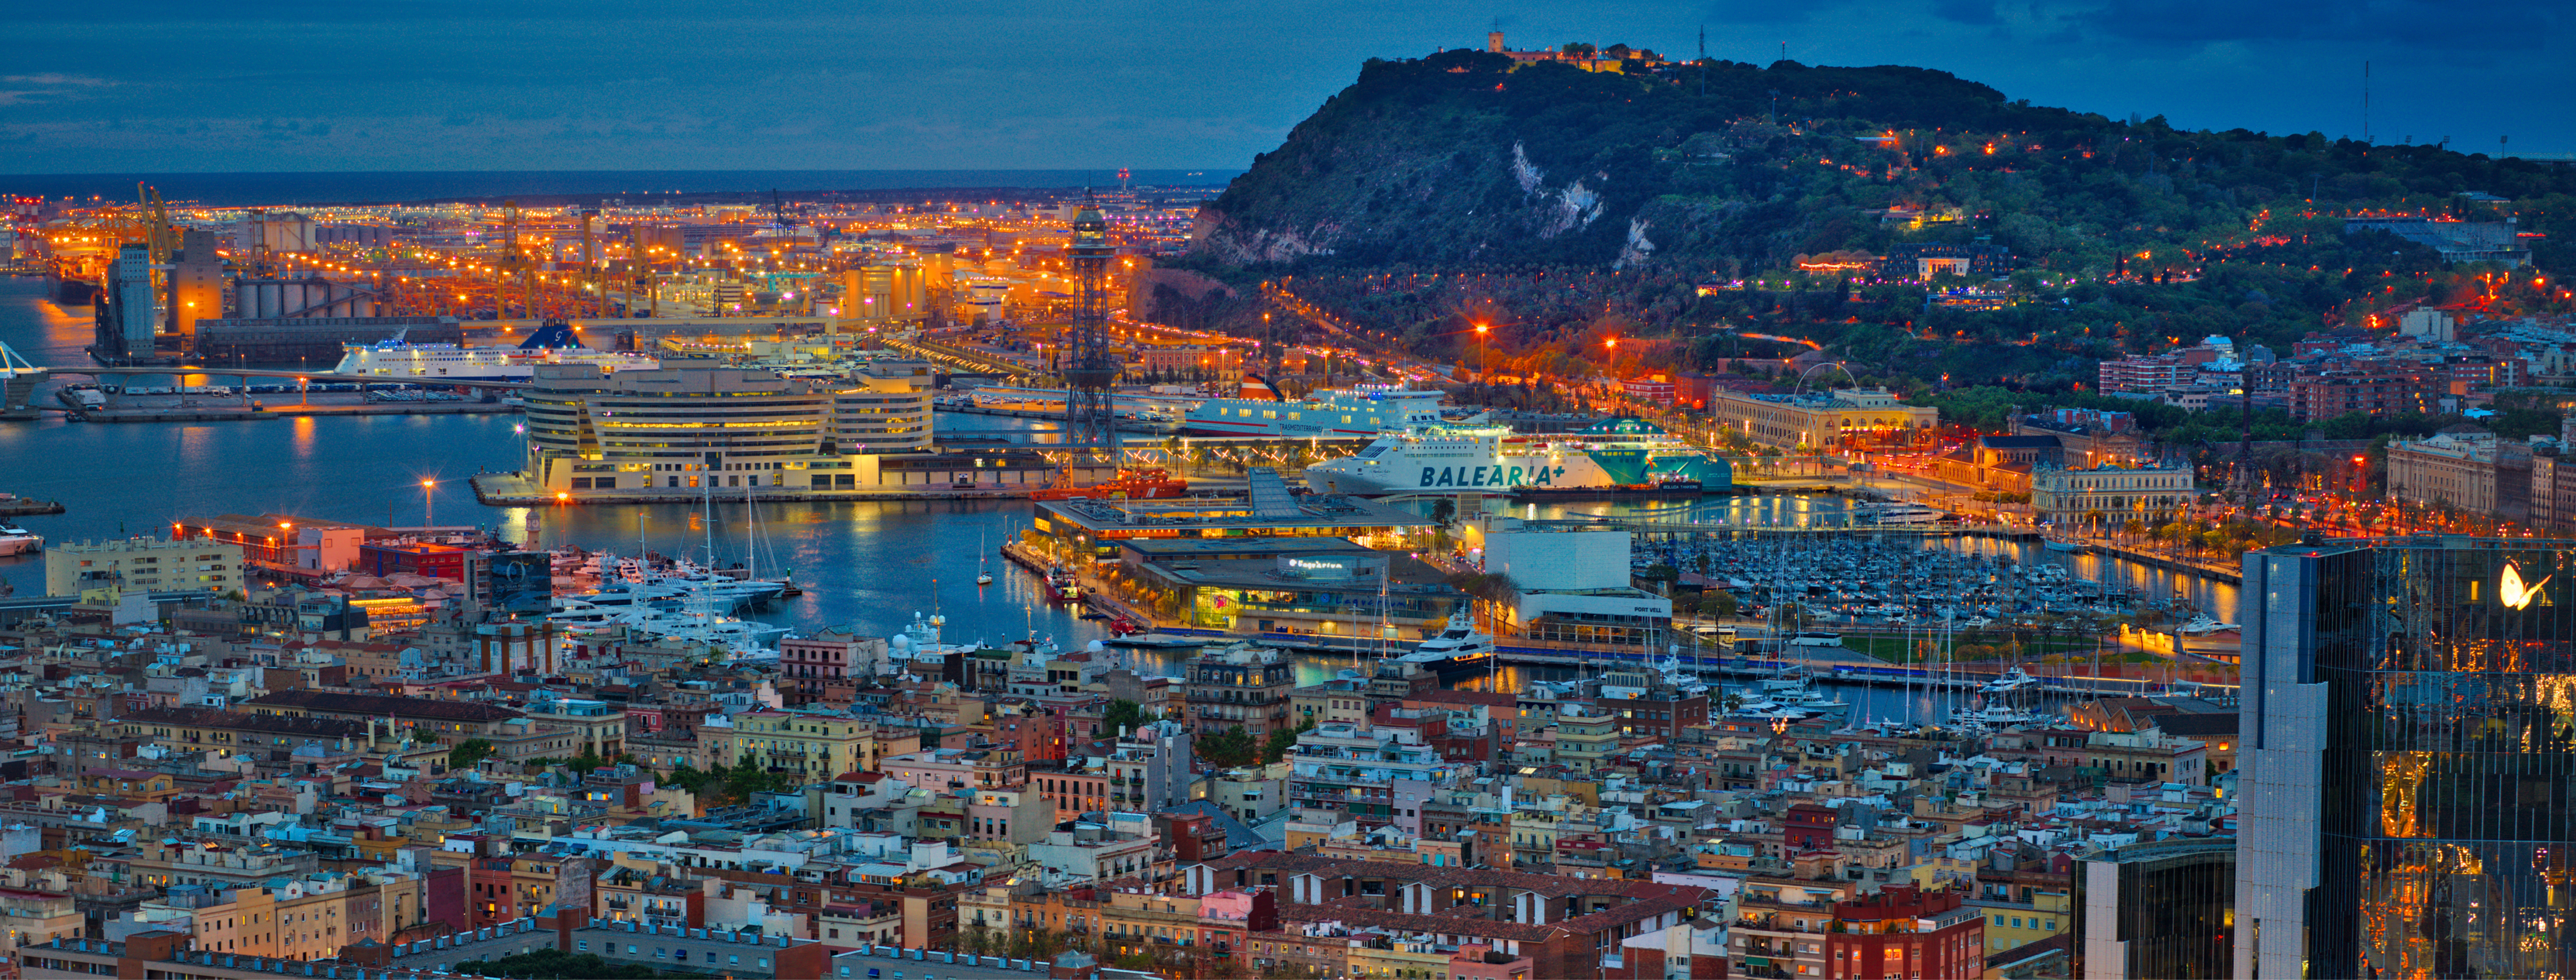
(18, 379)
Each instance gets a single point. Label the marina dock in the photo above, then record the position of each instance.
(215, 413)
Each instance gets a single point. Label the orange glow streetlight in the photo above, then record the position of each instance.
(429, 502)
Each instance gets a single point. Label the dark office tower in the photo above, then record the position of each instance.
(2162, 909)
(2405, 806)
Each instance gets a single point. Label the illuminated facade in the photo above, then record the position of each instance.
(1832, 419)
(2408, 772)
(703, 428)
(2150, 493)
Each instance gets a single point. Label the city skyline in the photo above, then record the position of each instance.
(166, 88)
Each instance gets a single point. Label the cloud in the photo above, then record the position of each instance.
(2419, 23)
(1979, 12)
(48, 87)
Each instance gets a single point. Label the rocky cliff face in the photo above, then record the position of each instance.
(1432, 160)
(1458, 158)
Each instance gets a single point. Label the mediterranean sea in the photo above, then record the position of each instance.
(386, 187)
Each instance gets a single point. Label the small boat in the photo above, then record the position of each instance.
(983, 575)
(2071, 547)
(1062, 585)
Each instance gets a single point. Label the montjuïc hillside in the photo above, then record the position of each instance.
(1456, 159)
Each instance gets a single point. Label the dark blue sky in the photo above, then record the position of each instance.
(152, 85)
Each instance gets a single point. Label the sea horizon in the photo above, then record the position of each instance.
(368, 187)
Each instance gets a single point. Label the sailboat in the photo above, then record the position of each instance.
(982, 576)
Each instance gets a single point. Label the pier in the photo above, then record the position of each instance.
(1861, 670)
(216, 413)
(514, 490)
(16, 506)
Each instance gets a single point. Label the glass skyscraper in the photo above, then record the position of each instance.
(2405, 788)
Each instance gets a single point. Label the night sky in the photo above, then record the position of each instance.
(833, 84)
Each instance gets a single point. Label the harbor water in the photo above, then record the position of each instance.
(868, 566)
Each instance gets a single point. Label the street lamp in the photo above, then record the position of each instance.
(429, 502)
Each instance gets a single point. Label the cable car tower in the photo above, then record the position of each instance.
(1089, 369)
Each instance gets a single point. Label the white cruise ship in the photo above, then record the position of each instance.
(1366, 410)
(1618, 452)
(553, 343)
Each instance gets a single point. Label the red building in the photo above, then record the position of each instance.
(1656, 389)
(1807, 827)
(488, 892)
(1906, 933)
(416, 558)
(1037, 731)
(1191, 836)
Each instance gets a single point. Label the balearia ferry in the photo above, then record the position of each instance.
(1614, 453)
(1365, 410)
(553, 343)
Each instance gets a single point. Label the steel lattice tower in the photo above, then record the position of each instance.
(1089, 370)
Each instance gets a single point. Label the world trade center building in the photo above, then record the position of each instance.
(2405, 784)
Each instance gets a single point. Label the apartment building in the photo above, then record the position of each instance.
(143, 565)
(1355, 770)
(2466, 467)
(1240, 686)
(816, 747)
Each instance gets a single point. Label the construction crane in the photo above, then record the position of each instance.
(778, 212)
(514, 262)
(590, 261)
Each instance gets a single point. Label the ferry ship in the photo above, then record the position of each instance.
(1612, 453)
(1365, 410)
(553, 343)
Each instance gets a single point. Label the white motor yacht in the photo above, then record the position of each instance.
(2203, 624)
(1458, 647)
(15, 540)
(2012, 680)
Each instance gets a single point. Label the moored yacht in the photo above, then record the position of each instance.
(1457, 648)
(15, 540)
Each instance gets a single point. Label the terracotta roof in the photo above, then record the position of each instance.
(1552, 886)
(247, 721)
(380, 705)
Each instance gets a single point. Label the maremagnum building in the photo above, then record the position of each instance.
(2408, 764)
(688, 430)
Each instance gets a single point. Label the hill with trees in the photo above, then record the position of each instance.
(1574, 205)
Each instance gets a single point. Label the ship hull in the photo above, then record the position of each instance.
(1516, 473)
(1449, 667)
